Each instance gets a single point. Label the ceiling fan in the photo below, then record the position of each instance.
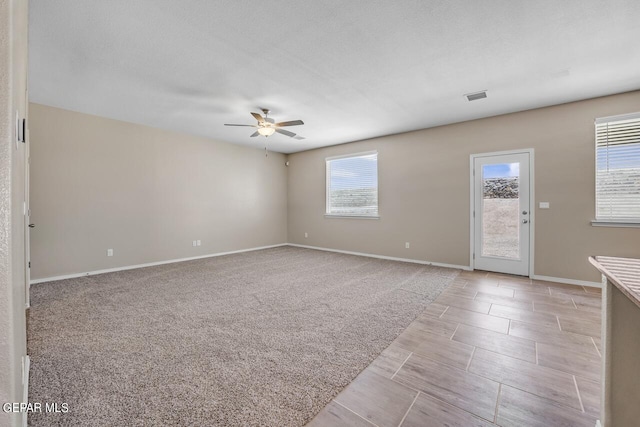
(267, 126)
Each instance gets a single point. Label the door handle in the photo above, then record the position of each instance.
(524, 221)
(32, 225)
(524, 212)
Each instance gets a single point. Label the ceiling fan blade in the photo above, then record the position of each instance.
(256, 133)
(291, 123)
(251, 126)
(286, 132)
(258, 117)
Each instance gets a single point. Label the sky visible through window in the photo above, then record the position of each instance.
(619, 157)
(501, 170)
(354, 172)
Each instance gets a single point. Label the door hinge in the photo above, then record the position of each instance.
(22, 130)
(474, 255)
(29, 264)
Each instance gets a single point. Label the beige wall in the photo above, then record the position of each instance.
(13, 66)
(424, 190)
(146, 193)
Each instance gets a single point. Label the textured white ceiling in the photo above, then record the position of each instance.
(350, 69)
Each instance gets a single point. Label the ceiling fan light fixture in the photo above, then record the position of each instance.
(266, 126)
(266, 131)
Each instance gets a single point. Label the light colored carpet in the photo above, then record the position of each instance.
(259, 338)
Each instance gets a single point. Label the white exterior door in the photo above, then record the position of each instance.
(501, 213)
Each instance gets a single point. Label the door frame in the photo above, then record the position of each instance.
(27, 220)
(27, 202)
(532, 222)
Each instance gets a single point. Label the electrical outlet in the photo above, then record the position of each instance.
(194, 243)
(406, 245)
(198, 242)
(544, 205)
(109, 252)
(306, 235)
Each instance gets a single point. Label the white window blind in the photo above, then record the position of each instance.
(618, 168)
(352, 185)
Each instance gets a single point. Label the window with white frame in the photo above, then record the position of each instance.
(618, 169)
(352, 185)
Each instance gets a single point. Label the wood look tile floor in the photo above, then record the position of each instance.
(492, 350)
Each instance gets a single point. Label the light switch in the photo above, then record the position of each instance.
(544, 205)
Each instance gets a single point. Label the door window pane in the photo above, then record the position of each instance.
(500, 210)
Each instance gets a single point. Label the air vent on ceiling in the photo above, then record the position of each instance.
(476, 95)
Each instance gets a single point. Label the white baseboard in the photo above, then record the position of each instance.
(415, 261)
(150, 264)
(567, 281)
(598, 423)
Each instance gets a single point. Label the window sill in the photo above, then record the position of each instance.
(621, 224)
(352, 216)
